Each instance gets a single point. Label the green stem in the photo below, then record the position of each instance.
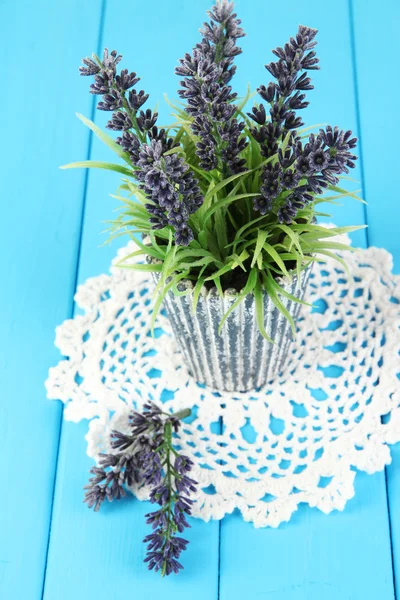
(182, 414)
(168, 532)
(131, 113)
(220, 144)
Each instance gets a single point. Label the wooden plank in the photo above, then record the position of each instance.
(378, 61)
(314, 555)
(104, 551)
(343, 555)
(40, 212)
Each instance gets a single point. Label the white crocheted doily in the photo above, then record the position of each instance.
(335, 408)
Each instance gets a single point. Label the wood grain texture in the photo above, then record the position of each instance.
(376, 34)
(40, 213)
(105, 550)
(344, 555)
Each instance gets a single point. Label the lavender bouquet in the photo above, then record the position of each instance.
(223, 197)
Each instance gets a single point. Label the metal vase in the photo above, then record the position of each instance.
(240, 359)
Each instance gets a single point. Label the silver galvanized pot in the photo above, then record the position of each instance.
(239, 359)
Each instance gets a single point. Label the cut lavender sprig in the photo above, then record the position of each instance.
(168, 470)
(146, 456)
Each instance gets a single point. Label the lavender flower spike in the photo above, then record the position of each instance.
(171, 187)
(164, 546)
(206, 73)
(299, 172)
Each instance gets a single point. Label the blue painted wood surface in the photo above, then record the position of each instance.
(51, 545)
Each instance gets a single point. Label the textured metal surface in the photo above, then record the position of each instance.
(240, 358)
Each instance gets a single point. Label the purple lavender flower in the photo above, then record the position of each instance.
(206, 73)
(318, 164)
(164, 546)
(284, 98)
(284, 95)
(150, 417)
(172, 189)
(271, 178)
(109, 478)
(302, 170)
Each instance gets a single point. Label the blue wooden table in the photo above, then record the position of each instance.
(51, 545)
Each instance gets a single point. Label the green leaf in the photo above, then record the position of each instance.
(196, 263)
(269, 287)
(310, 127)
(222, 203)
(219, 286)
(167, 266)
(275, 256)
(286, 141)
(161, 295)
(248, 288)
(196, 292)
(334, 257)
(220, 272)
(105, 138)
(261, 237)
(224, 183)
(335, 188)
(244, 100)
(136, 191)
(134, 207)
(259, 302)
(201, 172)
(176, 150)
(94, 164)
(333, 231)
(279, 289)
(238, 260)
(320, 231)
(203, 239)
(183, 252)
(178, 109)
(154, 251)
(315, 246)
(240, 231)
(140, 267)
(221, 232)
(292, 235)
(317, 214)
(212, 245)
(327, 200)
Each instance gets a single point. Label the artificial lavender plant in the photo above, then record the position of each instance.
(223, 197)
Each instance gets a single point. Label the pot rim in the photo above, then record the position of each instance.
(187, 285)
